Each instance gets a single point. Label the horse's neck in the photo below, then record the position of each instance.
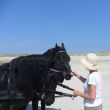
(56, 65)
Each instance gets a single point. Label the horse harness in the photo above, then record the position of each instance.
(61, 94)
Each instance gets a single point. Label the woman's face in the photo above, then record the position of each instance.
(87, 69)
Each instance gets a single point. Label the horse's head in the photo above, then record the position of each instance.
(62, 60)
(61, 70)
(59, 60)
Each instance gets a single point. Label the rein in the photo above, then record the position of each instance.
(64, 86)
(62, 94)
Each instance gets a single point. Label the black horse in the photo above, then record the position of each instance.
(35, 75)
(55, 56)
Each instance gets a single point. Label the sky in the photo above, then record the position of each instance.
(34, 26)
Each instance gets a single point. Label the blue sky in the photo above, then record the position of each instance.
(33, 26)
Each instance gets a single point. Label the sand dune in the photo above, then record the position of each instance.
(6, 59)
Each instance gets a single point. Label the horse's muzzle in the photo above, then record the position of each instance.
(67, 76)
(50, 100)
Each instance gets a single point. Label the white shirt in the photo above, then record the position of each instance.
(94, 79)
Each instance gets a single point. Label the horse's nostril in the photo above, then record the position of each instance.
(68, 78)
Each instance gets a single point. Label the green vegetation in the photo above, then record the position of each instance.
(2, 62)
(97, 53)
(9, 55)
(12, 55)
(103, 53)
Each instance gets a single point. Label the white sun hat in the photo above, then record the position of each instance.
(90, 61)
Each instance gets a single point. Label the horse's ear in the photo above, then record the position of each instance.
(62, 45)
(56, 45)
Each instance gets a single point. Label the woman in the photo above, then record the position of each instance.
(92, 85)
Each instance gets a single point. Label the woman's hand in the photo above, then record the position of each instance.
(71, 74)
(82, 79)
(75, 74)
(91, 95)
(76, 93)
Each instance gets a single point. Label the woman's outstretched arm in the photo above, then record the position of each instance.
(82, 79)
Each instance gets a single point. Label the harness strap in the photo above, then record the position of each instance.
(60, 52)
(54, 70)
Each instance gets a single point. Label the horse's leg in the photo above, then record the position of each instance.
(34, 104)
(4, 106)
(23, 105)
(23, 108)
(20, 105)
(42, 104)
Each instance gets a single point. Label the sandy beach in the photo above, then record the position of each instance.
(66, 103)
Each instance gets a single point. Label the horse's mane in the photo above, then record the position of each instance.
(49, 52)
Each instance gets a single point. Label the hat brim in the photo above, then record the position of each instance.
(88, 65)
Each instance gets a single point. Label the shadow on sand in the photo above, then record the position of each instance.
(30, 108)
